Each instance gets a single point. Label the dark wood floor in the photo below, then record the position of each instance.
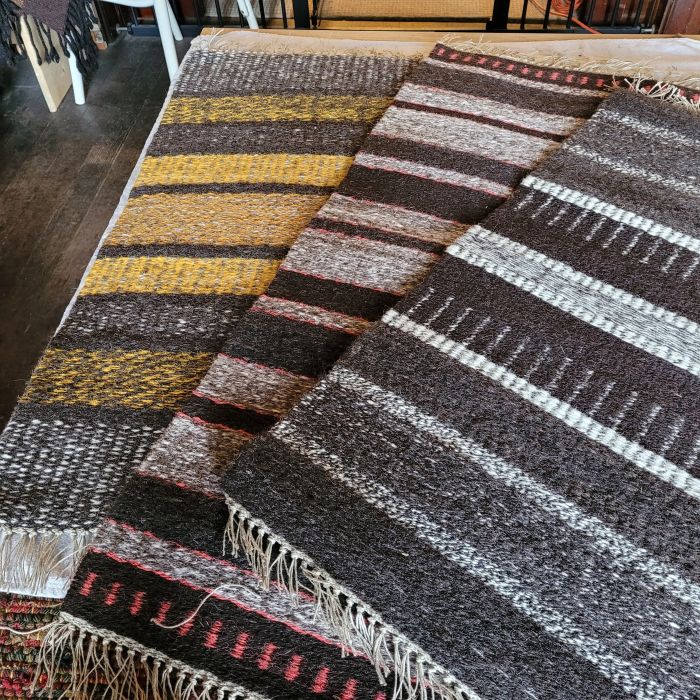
(61, 177)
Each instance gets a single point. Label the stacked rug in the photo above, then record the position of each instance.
(495, 493)
(252, 141)
(153, 591)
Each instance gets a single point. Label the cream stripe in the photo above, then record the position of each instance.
(645, 459)
(641, 173)
(448, 177)
(465, 136)
(390, 218)
(636, 321)
(675, 137)
(429, 96)
(516, 80)
(459, 551)
(610, 211)
(624, 554)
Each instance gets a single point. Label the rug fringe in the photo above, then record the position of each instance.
(416, 675)
(253, 41)
(639, 73)
(130, 670)
(30, 558)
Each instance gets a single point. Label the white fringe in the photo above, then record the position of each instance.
(36, 562)
(132, 671)
(638, 73)
(416, 675)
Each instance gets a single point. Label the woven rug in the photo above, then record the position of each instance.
(408, 194)
(515, 446)
(256, 135)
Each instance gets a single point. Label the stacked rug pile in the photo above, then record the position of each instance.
(491, 494)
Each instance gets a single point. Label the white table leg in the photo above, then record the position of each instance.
(174, 25)
(246, 9)
(77, 79)
(161, 8)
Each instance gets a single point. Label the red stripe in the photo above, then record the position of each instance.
(293, 668)
(321, 681)
(137, 602)
(305, 273)
(87, 584)
(162, 612)
(241, 643)
(213, 635)
(111, 596)
(218, 426)
(349, 690)
(310, 321)
(224, 402)
(265, 659)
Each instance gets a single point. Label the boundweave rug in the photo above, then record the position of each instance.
(70, 20)
(430, 166)
(496, 491)
(256, 135)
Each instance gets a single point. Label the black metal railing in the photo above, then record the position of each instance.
(607, 16)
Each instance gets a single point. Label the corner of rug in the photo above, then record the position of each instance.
(40, 563)
(674, 87)
(127, 668)
(416, 676)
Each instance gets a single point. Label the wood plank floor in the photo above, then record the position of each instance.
(61, 177)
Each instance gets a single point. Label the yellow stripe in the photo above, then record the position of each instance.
(280, 168)
(134, 379)
(162, 275)
(265, 108)
(215, 219)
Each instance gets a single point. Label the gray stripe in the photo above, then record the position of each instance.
(651, 328)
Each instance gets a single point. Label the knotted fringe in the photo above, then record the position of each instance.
(75, 37)
(130, 670)
(678, 88)
(416, 676)
(29, 559)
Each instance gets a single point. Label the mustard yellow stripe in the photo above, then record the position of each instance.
(163, 275)
(264, 108)
(280, 168)
(134, 379)
(215, 219)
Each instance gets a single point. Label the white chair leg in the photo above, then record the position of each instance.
(177, 34)
(77, 79)
(246, 9)
(161, 8)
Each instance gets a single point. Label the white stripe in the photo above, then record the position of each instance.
(516, 80)
(645, 459)
(624, 554)
(610, 211)
(459, 551)
(465, 136)
(636, 321)
(449, 177)
(653, 130)
(633, 171)
(429, 96)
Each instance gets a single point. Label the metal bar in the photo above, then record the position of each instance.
(314, 14)
(638, 13)
(302, 20)
(545, 19)
(523, 16)
(571, 13)
(589, 11)
(615, 10)
(219, 15)
(263, 20)
(499, 16)
(179, 15)
(285, 21)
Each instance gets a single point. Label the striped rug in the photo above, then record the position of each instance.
(255, 136)
(515, 447)
(433, 164)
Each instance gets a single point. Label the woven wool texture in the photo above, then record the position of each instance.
(515, 446)
(249, 147)
(432, 165)
(252, 142)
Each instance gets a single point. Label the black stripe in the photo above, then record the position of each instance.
(230, 416)
(235, 188)
(334, 296)
(195, 250)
